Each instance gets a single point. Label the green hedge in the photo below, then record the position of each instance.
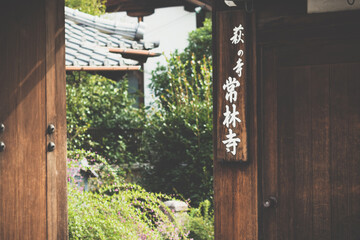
(114, 209)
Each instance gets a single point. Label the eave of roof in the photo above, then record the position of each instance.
(146, 7)
(103, 68)
(94, 44)
(132, 31)
(134, 52)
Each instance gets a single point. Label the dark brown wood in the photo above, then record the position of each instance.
(289, 26)
(302, 156)
(140, 13)
(227, 54)
(353, 150)
(306, 158)
(22, 110)
(32, 182)
(344, 163)
(268, 146)
(286, 168)
(203, 4)
(310, 134)
(134, 52)
(103, 68)
(146, 7)
(235, 184)
(55, 114)
(321, 178)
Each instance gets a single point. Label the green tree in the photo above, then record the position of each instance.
(101, 116)
(179, 133)
(200, 46)
(93, 7)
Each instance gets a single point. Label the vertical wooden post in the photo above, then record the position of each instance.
(56, 115)
(235, 182)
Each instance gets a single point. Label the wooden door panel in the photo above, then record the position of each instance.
(285, 151)
(269, 141)
(32, 95)
(310, 146)
(345, 150)
(22, 98)
(302, 148)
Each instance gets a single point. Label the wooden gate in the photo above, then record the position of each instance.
(311, 141)
(32, 96)
(301, 179)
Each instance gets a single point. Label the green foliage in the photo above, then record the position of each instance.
(118, 210)
(101, 117)
(179, 134)
(130, 213)
(200, 42)
(201, 222)
(200, 47)
(93, 7)
(176, 138)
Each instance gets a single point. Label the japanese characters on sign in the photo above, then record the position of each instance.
(233, 46)
(231, 114)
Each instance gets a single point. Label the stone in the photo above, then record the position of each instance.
(177, 206)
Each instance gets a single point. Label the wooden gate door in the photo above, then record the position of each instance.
(32, 96)
(311, 141)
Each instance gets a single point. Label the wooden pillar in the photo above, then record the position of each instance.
(235, 178)
(32, 96)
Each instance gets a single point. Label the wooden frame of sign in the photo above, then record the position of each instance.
(230, 86)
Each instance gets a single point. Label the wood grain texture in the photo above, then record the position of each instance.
(310, 139)
(235, 184)
(302, 158)
(56, 115)
(286, 147)
(269, 142)
(320, 142)
(288, 22)
(144, 7)
(353, 151)
(32, 94)
(22, 109)
(345, 216)
(227, 54)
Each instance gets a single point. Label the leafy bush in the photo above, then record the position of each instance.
(201, 222)
(179, 136)
(130, 213)
(178, 133)
(117, 210)
(101, 117)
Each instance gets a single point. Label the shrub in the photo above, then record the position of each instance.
(201, 222)
(101, 117)
(118, 210)
(179, 134)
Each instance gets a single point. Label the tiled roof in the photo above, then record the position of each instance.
(88, 41)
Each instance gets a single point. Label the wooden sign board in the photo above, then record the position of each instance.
(318, 6)
(230, 86)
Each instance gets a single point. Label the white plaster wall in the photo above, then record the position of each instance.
(171, 27)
